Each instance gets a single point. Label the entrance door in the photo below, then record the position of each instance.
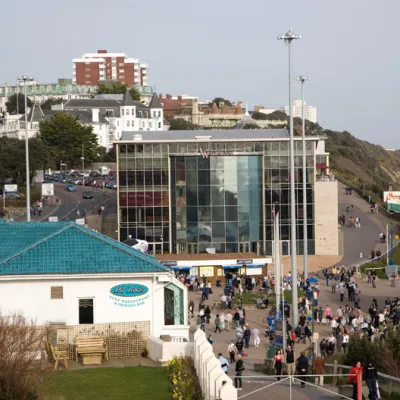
(285, 245)
(244, 247)
(86, 315)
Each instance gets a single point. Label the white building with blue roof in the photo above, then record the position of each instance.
(65, 274)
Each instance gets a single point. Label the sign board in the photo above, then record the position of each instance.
(129, 295)
(193, 271)
(246, 262)
(254, 271)
(47, 189)
(391, 197)
(53, 219)
(169, 263)
(206, 271)
(80, 221)
(10, 188)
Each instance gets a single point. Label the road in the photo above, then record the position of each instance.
(72, 202)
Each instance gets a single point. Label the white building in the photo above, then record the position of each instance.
(310, 112)
(108, 117)
(65, 274)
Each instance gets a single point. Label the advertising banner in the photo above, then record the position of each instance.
(10, 188)
(47, 189)
(391, 197)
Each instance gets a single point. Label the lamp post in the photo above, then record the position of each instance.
(288, 37)
(26, 79)
(83, 164)
(303, 79)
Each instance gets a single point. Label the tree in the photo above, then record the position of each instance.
(46, 105)
(20, 343)
(118, 88)
(179, 124)
(12, 103)
(12, 158)
(219, 100)
(65, 136)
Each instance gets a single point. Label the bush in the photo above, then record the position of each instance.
(20, 344)
(184, 380)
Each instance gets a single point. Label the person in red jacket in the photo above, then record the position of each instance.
(354, 374)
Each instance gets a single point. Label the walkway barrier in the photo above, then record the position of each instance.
(388, 384)
(315, 382)
(215, 384)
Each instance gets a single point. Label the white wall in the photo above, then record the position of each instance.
(32, 299)
(161, 351)
(326, 218)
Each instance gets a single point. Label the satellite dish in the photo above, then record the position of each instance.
(137, 244)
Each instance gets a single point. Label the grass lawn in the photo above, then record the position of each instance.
(251, 298)
(144, 383)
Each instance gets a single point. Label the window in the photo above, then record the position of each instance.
(121, 64)
(133, 123)
(173, 305)
(87, 63)
(122, 112)
(127, 123)
(150, 124)
(159, 113)
(56, 292)
(127, 111)
(159, 125)
(87, 76)
(133, 111)
(121, 71)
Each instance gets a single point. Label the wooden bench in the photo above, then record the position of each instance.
(91, 349)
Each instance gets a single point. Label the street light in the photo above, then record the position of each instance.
(26, 79)
(288, 37)
(303, 79)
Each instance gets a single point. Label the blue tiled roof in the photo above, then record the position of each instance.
(37, 248)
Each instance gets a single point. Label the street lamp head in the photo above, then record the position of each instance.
(25, 78)
(303, 78)
(289, 36)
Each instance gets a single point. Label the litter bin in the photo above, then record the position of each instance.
(271, 351)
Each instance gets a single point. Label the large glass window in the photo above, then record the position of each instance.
(173, 305)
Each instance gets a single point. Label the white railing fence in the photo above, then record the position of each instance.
(214, 383)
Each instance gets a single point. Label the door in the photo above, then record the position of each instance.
(244, 247)
(86, 315)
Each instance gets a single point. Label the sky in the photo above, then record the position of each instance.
(227, 48)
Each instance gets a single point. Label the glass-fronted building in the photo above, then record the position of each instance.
(204, 191)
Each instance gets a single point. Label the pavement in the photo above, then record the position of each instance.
(355, 241)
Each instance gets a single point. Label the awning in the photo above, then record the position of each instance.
(255, 266)
(181, 268)
(231, 266)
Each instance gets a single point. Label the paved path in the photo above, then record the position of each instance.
(362, 240)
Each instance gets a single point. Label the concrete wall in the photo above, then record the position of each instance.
(161, 351)
(31, 298)
(326, 218)
(214, 383)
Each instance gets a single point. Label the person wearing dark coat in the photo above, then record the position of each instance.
(302, 368)
(239, 368)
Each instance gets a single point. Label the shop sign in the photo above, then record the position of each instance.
(169, 263)
(244, 262)
(129, 295)
(129, 290)
(206, 271)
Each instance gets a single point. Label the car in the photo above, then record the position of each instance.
(12, 196)
(70, 188)
(87, 195)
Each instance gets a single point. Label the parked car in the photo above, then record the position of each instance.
(87, 195)
(70, 188)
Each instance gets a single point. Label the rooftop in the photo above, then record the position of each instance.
(62, 248)
(211, 135)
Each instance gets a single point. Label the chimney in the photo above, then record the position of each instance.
(180, 99)
(101, 51)
(168, 96)
(95, 114)
(160, 95)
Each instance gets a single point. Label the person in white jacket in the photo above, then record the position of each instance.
(228, 320)
(256, 337)
(222, 319)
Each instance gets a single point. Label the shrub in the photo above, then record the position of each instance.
(185, 385)
(20, 344)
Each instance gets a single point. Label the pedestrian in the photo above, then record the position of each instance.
(256, 337)
(302, 368)
(393, 279)
(228, 320)
(278, 362)
(222, 320)
(99, 211)
(354, 379)
(247, 334)
(239, 368)
(372, 254)
(370, 375)
(374, 281)
(239, 346)
(210, 339)
(217, 324)
(290, 357)
(319, 370)
(236, 317)
(232, 351)
(224, 363)
(345, 342)
(358, 222)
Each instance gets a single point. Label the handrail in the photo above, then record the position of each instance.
(380, 374)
